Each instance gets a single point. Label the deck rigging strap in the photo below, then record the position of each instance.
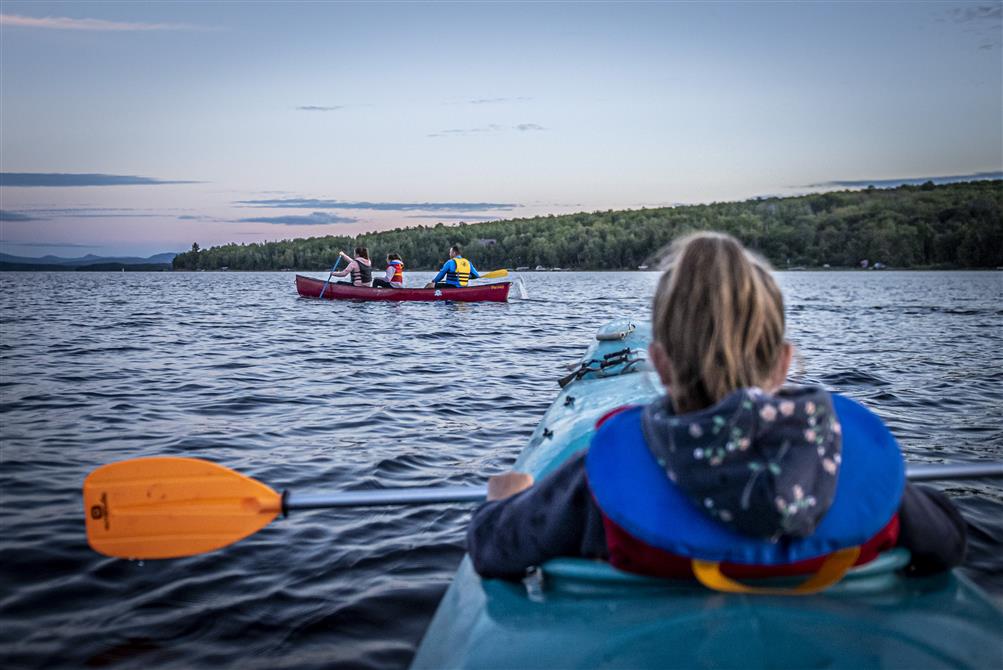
(627, 357)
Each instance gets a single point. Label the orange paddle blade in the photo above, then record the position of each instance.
(167, 507)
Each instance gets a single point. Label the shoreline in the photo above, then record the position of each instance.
(510, 270)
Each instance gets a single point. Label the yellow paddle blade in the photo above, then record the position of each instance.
(494, 274)
(167, 507)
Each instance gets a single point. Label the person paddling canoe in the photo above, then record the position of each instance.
(359, 268)
(732, 474)
(395, 273)
(455, 273)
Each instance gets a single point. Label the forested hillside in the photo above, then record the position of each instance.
(953, 225)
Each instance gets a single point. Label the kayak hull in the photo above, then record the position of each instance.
(576, 613)
(309, 287)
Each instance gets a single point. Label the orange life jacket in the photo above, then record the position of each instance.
(398, 267)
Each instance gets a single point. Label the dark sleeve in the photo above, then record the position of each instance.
(554, 517)
(932, 529)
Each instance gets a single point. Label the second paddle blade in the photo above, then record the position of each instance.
(168, 507)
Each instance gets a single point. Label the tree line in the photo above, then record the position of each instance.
(949, 226)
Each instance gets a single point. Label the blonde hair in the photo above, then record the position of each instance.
(719, 314)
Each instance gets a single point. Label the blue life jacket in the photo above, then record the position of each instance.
(633, 492)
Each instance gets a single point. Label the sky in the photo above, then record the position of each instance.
(133, 128)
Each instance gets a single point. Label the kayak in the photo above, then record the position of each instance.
(308, 287)
(577, 613)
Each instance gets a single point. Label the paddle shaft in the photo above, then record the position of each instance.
(172, 506)
(926, 472)
(917, 472)
(330, 274)
(409, 496)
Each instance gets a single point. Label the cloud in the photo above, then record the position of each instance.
(981, 13)
(49, 244)
(202, 217)
(40, 214)
(142, 215)
(454, 217)
(551, 205)
(67, 23)
(492, 101)
(305, 203)
(6, 215)
(318, 108)
(491, 129)
(66, 179)
(913, 181)
(983, 21)
(314, 219)
(74, 211)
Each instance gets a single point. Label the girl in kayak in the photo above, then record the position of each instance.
(395, 273)
(359, 268)
(731, 474)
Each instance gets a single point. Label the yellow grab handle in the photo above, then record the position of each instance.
(835, 566)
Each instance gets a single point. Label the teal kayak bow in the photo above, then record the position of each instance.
(575, 613)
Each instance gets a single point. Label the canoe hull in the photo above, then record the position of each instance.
(309, 287)
(586, 614)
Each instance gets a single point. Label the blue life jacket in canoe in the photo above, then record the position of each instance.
(634, 490)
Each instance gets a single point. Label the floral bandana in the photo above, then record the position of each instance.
(763, 465)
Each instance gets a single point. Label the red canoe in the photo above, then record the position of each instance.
(308, 287)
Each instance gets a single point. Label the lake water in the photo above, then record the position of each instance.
(309, 395)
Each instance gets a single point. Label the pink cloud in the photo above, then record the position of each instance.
(66, 23)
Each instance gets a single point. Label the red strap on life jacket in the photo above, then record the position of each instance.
(631, 555)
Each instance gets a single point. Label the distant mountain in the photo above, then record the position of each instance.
(89, 259)
(88, 262)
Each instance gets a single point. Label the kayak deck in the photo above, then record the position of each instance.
(310, 287)
(588, 615)
(576, 613)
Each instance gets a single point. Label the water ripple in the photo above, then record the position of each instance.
(317, 396)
